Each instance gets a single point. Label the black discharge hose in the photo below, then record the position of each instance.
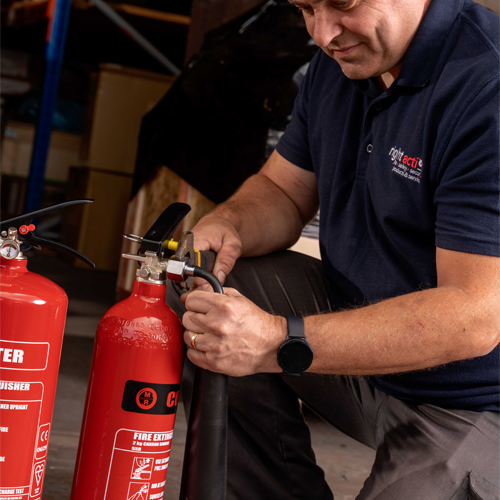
(201, 273)
(204, 472)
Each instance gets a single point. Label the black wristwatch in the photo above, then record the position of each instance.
(295, 355)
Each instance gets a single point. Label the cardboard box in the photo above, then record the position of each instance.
(17, 146)
(96, 230)
(120, 97)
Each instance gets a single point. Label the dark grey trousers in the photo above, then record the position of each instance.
(423, 452)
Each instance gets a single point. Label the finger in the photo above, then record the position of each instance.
(204, 360)
(194, 340)
(198, 358)
(202, 284)
(204, 288)
(201, 301)
(195, 322)
(225, 260)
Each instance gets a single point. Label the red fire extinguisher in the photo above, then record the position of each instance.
(135, 377)
(32, 318)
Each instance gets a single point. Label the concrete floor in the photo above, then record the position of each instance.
(346, 462)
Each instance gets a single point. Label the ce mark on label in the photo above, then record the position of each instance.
(42, 442)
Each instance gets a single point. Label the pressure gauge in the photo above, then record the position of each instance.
(10, 249)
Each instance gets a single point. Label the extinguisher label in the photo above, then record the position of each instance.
(30, 356)
(144, 455)
(155, 399)
(22, 439)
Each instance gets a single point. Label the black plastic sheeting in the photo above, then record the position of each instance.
(212, 126)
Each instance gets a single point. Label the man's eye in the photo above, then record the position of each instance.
(304, 10)
(345, 5)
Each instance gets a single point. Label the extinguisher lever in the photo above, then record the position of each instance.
(27, 218)
(163, 228)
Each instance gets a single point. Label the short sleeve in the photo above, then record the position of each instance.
(467, 197)
(294, 144)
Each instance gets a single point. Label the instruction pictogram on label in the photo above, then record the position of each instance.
(142, 468)
(138, 491)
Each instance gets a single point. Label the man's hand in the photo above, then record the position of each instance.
(235, 336)
(213, 232)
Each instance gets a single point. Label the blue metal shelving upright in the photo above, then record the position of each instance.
(54, 52)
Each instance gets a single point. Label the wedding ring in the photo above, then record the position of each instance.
(193, 341)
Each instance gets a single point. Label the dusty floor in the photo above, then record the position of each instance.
(345, 461)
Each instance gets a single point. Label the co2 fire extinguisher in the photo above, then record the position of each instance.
(32, 319)
(135, 376)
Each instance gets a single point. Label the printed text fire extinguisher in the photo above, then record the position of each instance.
(32, 318)
(135, 377)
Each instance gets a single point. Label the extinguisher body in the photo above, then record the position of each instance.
(32, 319)
(131, 400)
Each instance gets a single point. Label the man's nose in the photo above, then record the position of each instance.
(325, 26)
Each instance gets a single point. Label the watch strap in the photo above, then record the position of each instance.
(295, 325)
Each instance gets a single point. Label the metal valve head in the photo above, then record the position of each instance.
(175, 270)
(151, 251)
(25, 230)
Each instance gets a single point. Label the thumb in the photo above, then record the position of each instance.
(225, 260)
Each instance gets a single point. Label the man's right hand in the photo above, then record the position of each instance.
(214, 232)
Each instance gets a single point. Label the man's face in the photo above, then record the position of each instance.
(366, 37)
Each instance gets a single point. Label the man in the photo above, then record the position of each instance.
(395, 135)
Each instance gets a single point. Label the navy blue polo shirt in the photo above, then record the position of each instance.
(407, 170)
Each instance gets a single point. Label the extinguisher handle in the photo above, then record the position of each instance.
(164, 228)
(27, 235)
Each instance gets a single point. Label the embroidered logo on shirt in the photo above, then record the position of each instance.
(405, 165)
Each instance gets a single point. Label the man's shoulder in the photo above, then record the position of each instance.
(484, 23)
(479, 36)
(470, 60)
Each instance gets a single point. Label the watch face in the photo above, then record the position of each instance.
(295, 356)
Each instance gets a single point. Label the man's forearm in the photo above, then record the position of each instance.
(456, 320)
(264, 217)
(410, 332)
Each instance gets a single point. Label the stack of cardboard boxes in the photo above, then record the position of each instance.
(98, 164)
(120, 97)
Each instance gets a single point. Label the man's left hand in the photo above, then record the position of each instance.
(235, 336)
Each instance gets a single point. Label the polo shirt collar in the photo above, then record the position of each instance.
(425, 49)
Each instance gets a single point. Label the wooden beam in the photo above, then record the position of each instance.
(135, 10)
(159, 15)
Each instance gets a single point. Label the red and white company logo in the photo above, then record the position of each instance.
(409, 167)
(146, 398)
